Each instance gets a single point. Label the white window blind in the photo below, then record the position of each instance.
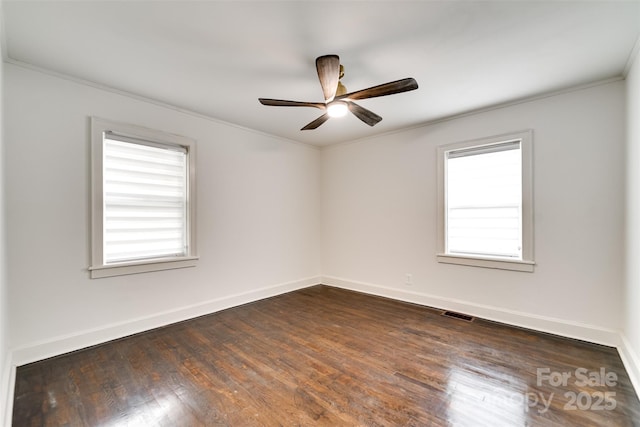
(145, 188)
(484, 201)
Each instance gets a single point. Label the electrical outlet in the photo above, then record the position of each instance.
(408, 279)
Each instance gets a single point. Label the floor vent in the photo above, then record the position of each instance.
(460, 316)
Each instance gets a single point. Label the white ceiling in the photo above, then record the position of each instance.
(217, 57)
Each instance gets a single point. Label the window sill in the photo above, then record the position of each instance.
(122, 269)
(501, 264)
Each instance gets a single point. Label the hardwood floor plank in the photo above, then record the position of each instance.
(329, 357)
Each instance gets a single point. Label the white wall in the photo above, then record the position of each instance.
(631, 300)
(379, 216)
(258, 218)
(5, 368)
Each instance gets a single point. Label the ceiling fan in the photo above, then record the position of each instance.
(337, 102)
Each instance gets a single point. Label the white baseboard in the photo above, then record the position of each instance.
(87, 338)
(631, 362)
(550, 325)
(561, 327)
(64, 344)
(8, 377)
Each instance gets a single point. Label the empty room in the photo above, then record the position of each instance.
(299, 213)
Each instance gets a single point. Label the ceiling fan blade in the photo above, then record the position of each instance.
(317, 122)
(369, 117)
(283, 103)
(328, 67)
(390, 88)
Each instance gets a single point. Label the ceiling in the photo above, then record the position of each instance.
(217, 57)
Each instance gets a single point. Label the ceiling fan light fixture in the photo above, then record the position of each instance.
(337, 109)
(337, 101)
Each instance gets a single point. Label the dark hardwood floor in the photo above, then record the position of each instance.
(325, 356)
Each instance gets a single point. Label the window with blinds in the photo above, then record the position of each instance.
(143, 200)
(485, 202)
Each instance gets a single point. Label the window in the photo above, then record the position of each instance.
(485, 212)
(143, 200)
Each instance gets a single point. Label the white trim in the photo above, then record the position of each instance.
(525, 137)
(98, 268)
(66, 343)
(152, 101)
(631, 59)
(500, 264)
(426, 123)
(157, 264)
(551, 325)
(631, 362)
(8, 376)
(476, 111)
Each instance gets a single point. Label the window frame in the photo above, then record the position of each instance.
(99, 268)
(526, 149)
